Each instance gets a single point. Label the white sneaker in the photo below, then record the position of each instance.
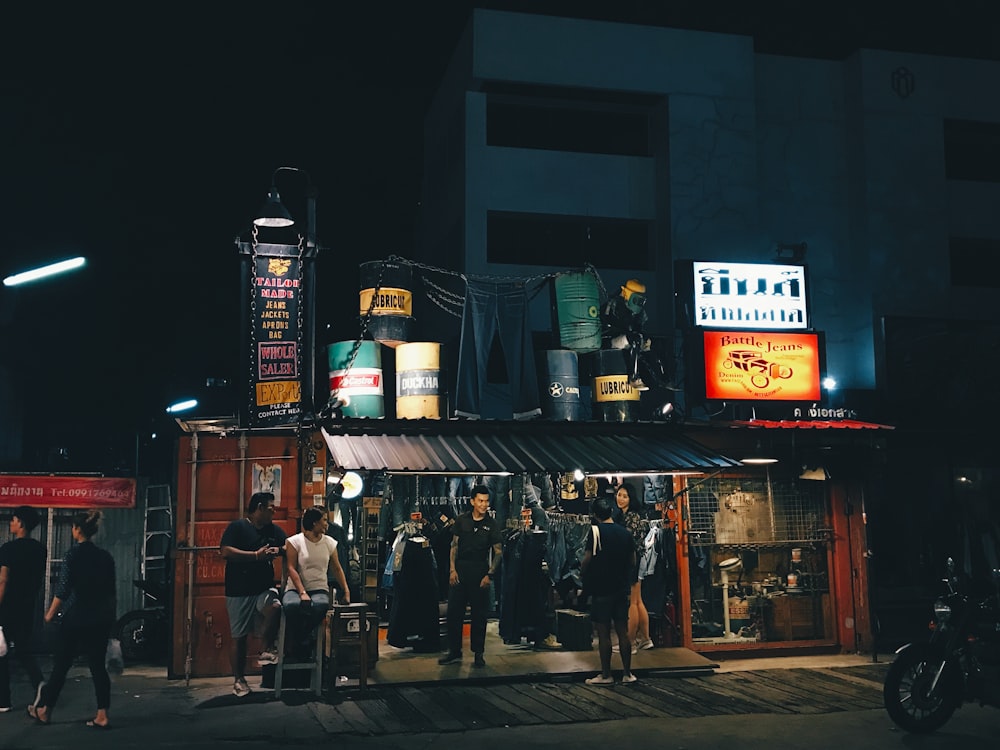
(268, 656)
(600, 680)
(646, 644)
(4, 709)
(629, 679)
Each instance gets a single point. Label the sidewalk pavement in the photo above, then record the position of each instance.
(150, 711)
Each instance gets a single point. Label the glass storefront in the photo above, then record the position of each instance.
(759, 560)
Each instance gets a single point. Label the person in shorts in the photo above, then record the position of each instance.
(249, 547)
(606, 568)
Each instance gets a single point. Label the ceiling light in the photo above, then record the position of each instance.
(758, 456)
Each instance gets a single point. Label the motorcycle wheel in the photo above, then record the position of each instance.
(137, 633)
(907, 691)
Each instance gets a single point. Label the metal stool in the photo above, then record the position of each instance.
(315, 664)
(342, 634)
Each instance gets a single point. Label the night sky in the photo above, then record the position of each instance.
(144, 136)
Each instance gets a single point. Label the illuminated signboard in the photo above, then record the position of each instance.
(749, 295)
(762, 365)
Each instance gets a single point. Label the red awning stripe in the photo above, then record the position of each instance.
(810, 424)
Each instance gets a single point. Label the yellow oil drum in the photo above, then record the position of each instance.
(418, 380)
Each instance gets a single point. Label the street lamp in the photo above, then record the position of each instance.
(45, 271)
(274, 214)
(279, 311)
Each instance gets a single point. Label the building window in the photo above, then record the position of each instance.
(972, 150)
(975, 261)
(556, 240)
(561, 125)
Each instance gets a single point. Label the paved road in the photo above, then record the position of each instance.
(808, 708)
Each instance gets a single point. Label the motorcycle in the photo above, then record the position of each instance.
(143, 632)
(960, 661)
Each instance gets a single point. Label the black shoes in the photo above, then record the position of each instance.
(452, 658)
(479, 661)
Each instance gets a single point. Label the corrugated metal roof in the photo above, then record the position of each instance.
(811, 424)
(486, 447)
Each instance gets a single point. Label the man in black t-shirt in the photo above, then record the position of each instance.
(606, 568)
(249, 547)
(475, 535)
(22, 572)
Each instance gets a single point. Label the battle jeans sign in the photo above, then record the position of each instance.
(276, 385)
(66, 491)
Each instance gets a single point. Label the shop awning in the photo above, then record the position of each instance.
(484, 447)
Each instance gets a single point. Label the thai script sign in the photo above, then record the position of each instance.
(66, 491)
(749, 295)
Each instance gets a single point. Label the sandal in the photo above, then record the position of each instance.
(35, 712)
(94, 725)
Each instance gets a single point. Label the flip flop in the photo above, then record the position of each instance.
(33, 713)
(94, 725)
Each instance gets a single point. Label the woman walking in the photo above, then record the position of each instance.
(85, 596)
(638, 617)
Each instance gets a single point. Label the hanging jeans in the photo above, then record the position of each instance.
(496, 308)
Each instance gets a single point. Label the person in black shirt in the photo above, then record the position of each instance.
(607, 568)
(249, 547)
(85, 599)
(475, 535)
(22, 571)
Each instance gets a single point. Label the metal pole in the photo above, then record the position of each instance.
(189, 623)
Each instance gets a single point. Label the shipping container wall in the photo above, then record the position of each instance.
(215, 478)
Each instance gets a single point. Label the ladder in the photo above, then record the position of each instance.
(157, 536)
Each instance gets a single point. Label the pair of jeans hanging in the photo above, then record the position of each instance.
(496, 308)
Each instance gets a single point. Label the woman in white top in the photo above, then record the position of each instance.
(311, 561)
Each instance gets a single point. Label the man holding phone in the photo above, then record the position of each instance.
(249, 547)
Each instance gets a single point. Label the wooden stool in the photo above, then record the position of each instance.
(342, 634)
(315, 664)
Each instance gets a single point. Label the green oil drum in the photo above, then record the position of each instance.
(361, 384)
(578, 311)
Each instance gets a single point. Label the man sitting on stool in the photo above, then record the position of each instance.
(311, 561)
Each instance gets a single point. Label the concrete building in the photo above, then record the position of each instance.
(556, 142)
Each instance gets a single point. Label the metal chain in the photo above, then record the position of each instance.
(446, 295)
(365, 321)
(443, 305)
(426, 267)
(298, 336)
(251, 395)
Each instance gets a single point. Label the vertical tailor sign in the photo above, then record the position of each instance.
(276, 387)
(749, 295)
(762, 365)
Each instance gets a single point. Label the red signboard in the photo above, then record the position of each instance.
(768, 365)
(66, 492)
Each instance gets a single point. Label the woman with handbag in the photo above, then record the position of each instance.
(85, 597)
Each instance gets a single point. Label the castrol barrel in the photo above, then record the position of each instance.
(559, 383)
(360, 385)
